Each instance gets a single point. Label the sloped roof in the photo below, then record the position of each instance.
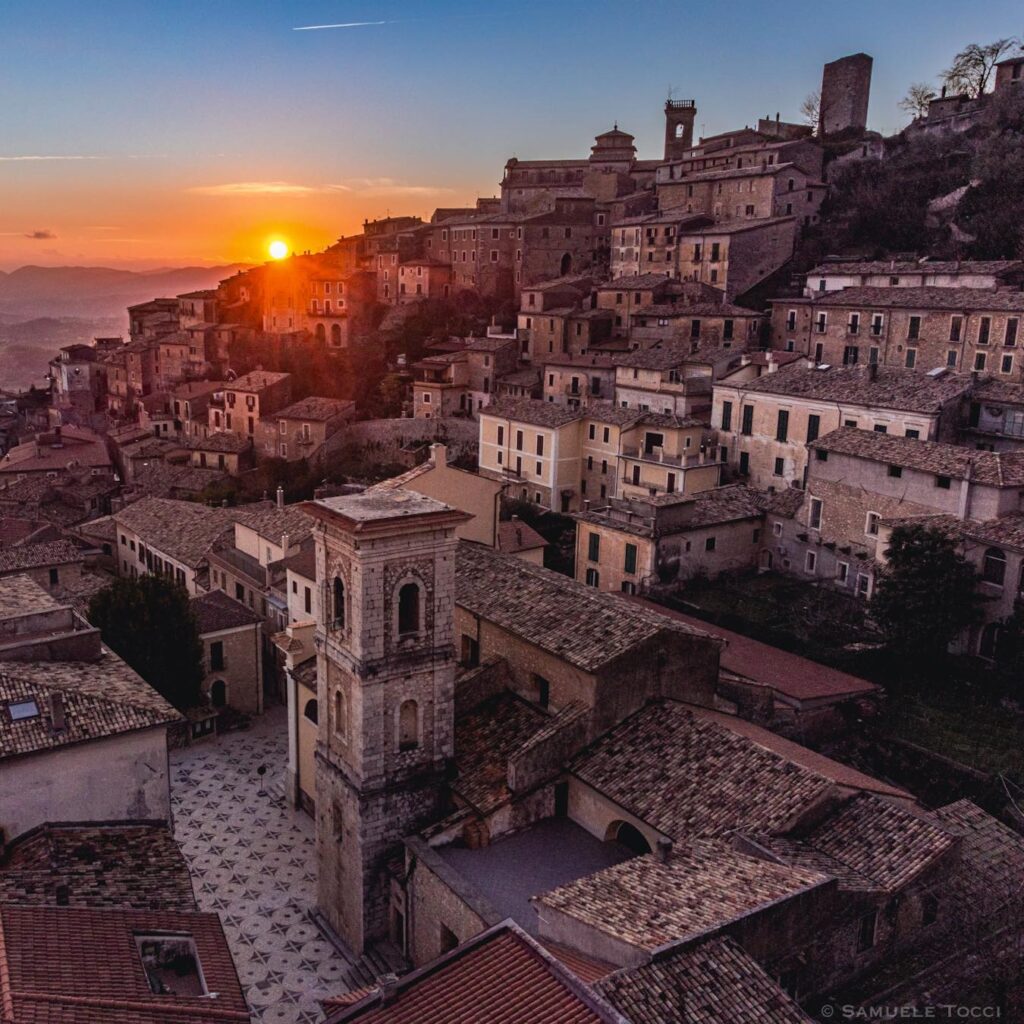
(713, 983)
(31, 556)
(182, 529)
(100, 699)
(215, 611)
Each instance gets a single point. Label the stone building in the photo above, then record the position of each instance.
(190, 403)
(702, 326)
(302, 429)
(765, 424)
(996, 417)
(385, 671)
(577, 381)
(51, 453)
(79, 382)
(225, 451)
(260, 393)
(1009, 74)
(232, 652)
(836, 274)
(845, 89)
(964, 329)
(679, 118)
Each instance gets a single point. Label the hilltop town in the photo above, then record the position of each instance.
(599, 604)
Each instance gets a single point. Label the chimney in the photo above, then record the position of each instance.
(388, 985)
(439, 454)
(58, 720)
(586, 505)
(280, 496)
(664, 849)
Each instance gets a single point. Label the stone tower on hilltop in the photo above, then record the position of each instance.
(679, 118)
(385, 566)
(845, 89)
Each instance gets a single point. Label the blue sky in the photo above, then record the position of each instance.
(174, 102)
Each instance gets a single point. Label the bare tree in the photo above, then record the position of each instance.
(972, 67)
(919, 95)
(810, 110)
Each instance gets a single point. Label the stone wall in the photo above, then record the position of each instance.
(385, 438)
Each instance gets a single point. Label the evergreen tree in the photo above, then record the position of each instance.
(148, 622)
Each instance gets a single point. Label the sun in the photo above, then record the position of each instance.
(278, 249)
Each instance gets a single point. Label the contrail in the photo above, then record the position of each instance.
(343, 24)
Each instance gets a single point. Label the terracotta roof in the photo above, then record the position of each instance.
(303, 563)
(994, 389)
(532, 411)
(994, 469)
(130, 866)
(500, 975)
(99, 699)
(215, 611)
(954, 299)
(697, 309)
(713, 983)
(636, 282)
(315, 408)
(257, 380)
(31, 556)
(485, 738)
(576, 623)
(517, 536)
(272, 522)
(197, 388)
(689, 776)
(791, 676)
(916, 267)
(882, 387)
(223, 441)
(869, 844)
(183, 530)
(648, 903)
(83, 966)
(20, 595)
(661, 357)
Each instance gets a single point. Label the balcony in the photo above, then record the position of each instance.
(240, 564)
(659, 457)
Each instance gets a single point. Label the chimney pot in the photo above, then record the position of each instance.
(664, 850)
(388, 985)
(58, 720)
(280, 496)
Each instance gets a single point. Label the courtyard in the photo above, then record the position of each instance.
(252, 860)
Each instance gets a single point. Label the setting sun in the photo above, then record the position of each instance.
(278, 249)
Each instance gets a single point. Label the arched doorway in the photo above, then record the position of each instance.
(629, 836)
(566, 266)
(218, 693)
(321, 332)
(336, 335)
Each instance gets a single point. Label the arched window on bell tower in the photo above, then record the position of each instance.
(339, 603)
(408, 726)
(408, 609)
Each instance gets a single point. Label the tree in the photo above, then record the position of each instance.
(918, 97)
(810, 110)
(972, 67)
(148, 622)
(925, 596)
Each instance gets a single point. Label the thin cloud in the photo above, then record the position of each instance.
(259, 188)
(341, 24)
(41, 235)
(388, 187)
(28, 157)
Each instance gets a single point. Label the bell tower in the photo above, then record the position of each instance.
(679, 118)
(385, 567)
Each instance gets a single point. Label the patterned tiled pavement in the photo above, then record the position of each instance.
(252, 861)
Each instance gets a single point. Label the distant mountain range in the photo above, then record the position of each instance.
(43, 308)
(89, 292)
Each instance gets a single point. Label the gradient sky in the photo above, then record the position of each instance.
(145, 134)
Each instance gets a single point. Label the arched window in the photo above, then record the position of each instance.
(336, 334)
(994, 569)
(679, 131)
(311, 711)
(408, 609)
(408, 726)
(219, 693)
(629, 836)
(340, 714)
(321, 333)
(339, 603)
(566, 266)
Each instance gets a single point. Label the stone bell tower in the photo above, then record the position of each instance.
(679, 118)
(385, 566)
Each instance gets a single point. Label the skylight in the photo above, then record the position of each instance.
(21, 710)
(171, 964)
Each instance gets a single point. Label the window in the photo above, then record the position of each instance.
(914, 328)
(895, 471)
(54, 577)
(851, 355)
(843, 572)
(339, 603)
(821, 323)
(911, 360)
(1010, 335)
(814, 517)
(519, 440)
(408, 726)
(943, 482)
(871, 524)
(593, 578)
(593, 432)
(984, 330)
(791, 320)
(22, 710)
(744, 464)
(853, 325)
(1006, 364)
(217, 656)
(540, 444)
(956, 326)
(709, 544)
(501, 435)
(813, 427)
(408, 609)
(780, 467)
(866, 930)
(994, 567)
(979, 361)
(811, 561)
(594, 547)
(880, 428)
(747, 426)
(782, 426)
(311, 712)
(630, 563)
(727, 415)
(877, 323)
(171, 964)
(913, 434)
